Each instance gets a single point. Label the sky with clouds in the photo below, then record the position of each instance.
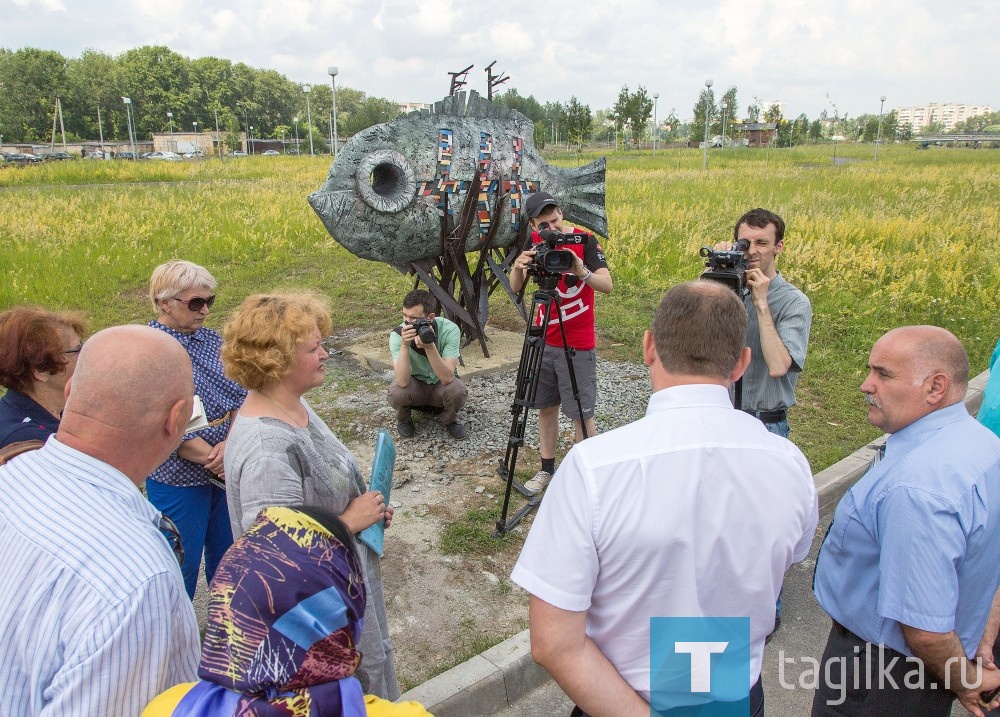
(810, 55)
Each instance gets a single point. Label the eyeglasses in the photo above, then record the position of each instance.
(173, 536)
(197, 303)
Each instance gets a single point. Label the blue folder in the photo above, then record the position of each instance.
(382, 466)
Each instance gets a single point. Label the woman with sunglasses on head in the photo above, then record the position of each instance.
(282, 453)
(186, 488)
(38, 352)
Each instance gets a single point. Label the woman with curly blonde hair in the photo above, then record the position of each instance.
(281, 453)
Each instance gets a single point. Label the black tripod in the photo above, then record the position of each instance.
(545, 299)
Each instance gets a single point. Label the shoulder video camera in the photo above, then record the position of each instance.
(727, 267)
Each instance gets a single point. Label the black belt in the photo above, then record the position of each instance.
(768, 416)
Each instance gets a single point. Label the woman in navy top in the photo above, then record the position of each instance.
(188, 488)
(38, 352)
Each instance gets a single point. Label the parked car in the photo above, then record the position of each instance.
(21, 158)
(169, 156)
(239, 153)
(126, 155)
(270, 153)
(58, 156)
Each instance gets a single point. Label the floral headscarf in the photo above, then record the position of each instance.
(284, 619)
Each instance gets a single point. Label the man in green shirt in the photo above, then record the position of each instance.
(425, 371)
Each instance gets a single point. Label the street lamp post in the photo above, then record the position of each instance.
(724, 105)
(246, 124)
(309, 117)
(197, 145)
(656, 128)
(878, 136)
(250, 141)
(296, 121)
(332, 71)
(170, 119)
(128, 119)
(704, 156)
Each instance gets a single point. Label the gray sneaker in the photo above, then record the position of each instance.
(537, 484)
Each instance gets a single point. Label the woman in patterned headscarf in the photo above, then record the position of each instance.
(285, 613)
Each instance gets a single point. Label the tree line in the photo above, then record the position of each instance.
(207, 90)
(159, 81)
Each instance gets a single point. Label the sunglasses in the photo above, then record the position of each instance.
(173, 536)
(197, 303)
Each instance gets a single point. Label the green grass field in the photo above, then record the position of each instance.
(910, 239)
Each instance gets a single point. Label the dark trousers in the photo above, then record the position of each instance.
(862, 683)
(417, 393)
(713, 709)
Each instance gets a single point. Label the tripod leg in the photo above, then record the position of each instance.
(570, 353)
(525, 388)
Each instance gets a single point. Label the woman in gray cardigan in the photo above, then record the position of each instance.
(281, 453)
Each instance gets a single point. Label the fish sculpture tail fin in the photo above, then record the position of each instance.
(582, 195)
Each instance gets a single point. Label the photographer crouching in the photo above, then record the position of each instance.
(576, 287)
(426, 376)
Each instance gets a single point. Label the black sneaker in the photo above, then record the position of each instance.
(777, 625)
(456, 430)
(405, 428)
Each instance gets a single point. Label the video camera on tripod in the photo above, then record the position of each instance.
(550, 261)
(727, 267)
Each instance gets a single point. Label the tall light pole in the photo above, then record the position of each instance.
(296, 121)
(724, 105)
(332, 71)
(170, 119)
(704, 156)
(196, 143)
(218, 137)
(656, 129)
(128, 118)
(246, 124)
(309, 118)
(878, 136)
(250, 141)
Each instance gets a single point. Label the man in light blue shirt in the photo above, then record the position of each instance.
(909, 568)
(94, 618)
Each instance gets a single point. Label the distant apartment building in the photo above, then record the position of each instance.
(948, 115)
(407, 107)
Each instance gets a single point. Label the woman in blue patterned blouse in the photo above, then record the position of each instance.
(188, 488)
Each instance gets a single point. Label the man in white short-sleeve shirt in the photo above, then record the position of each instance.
(695, 510)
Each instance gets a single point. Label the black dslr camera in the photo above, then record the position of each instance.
(727, 267)
(425, 330)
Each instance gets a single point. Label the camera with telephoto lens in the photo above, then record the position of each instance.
(425, 330)
(727, 267)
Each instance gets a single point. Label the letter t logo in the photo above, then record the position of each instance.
(701, 662)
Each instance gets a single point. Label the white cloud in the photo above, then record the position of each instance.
(913, 51)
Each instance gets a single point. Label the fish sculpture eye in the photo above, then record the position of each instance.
(386, 181)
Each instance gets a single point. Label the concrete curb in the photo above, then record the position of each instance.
(493, 680)
(488, 683)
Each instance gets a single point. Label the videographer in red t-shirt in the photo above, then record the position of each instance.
(576, 313)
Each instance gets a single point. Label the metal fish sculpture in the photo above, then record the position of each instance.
(386, 192)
